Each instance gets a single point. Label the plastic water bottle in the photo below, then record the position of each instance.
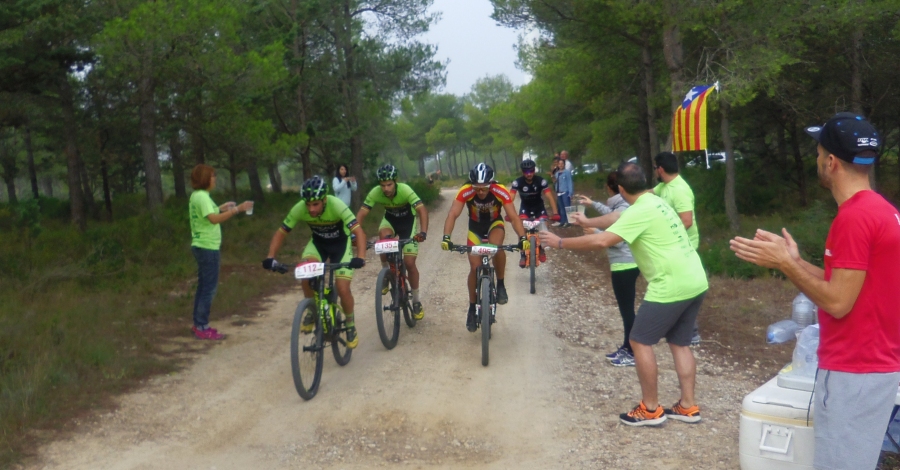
(803, 311)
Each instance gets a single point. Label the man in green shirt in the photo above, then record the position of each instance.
(331, 222)
(676, 286)
(399, 201)
(676, 192)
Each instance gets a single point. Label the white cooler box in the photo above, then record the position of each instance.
(775, 433)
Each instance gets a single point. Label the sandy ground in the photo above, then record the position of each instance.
(427, 403)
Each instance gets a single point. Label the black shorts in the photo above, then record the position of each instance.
(478, 232)
(532, 212)
(673, 321)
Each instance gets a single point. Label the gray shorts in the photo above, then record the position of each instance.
(672, 321)
(850, 416)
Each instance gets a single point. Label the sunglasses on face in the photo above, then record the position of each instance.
(528, 172)
(482, 188)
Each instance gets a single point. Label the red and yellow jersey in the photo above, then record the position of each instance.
(485, 210)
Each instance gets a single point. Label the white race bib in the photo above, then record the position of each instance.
(309, 270)
(482, 250)
(387, 246)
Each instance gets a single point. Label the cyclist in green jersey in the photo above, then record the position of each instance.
(331, 222)
(399, 201)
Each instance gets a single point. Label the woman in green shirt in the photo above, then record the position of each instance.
(206, 236)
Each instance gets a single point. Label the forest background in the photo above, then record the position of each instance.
(106, 105)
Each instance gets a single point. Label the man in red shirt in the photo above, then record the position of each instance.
(857, 294)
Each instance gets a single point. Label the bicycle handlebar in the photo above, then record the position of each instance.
(467, 249)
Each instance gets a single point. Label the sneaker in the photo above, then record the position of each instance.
(470, 321)
(695, 340)
(680, 413)
(625, 359)
(208, 333)
(418, 311)
(641, 416)
(352, 340)
(385, 286)
(542, 255)
(502, 298)
(615, 353)
(522, 261)
(309, 322)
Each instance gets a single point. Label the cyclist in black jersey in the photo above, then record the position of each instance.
(531, 188)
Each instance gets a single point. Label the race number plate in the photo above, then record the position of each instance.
(484, 250)
(387, 246)
(309, 270)
(531, 224)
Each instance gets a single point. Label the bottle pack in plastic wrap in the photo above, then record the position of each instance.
(782, 332)
(803, 311)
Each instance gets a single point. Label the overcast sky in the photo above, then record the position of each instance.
(474, 43)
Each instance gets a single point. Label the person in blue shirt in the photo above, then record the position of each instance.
(564, 190)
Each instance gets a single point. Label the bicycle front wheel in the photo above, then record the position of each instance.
(306, 351)
(406, 304)
(485, 320)
(387, 308)
(339, 338)
(532, 258)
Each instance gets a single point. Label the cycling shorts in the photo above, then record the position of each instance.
(332, 253)
(478, 232)
(537, 212)
(410, 249)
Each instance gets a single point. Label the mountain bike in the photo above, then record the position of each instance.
(485, 290)
(307, 349)
(392, 291)
(532, 227)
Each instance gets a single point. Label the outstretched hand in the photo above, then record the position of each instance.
(548, 239)
(578, 218)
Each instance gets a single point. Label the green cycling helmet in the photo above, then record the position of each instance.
(387, 172)
(314, 189)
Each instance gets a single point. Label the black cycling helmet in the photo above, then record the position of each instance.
(527, 165)
(387, 172)
(481, 174)
(314, 189)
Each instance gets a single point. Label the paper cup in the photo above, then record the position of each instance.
(250, 210)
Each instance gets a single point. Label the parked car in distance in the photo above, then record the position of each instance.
(587, 169)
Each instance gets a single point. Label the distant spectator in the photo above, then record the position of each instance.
(676, 287)
(857, 295)
(564, 156)
(206, 236)
(343, 184)
(564, 192)
(623, 270)
(675, 191)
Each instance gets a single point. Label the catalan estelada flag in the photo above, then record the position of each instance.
(689, 123)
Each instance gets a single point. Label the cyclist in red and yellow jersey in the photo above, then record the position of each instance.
(484, 198)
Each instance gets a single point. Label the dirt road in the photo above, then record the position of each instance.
(427, 403)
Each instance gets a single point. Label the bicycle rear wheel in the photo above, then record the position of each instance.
(406, 304)
(387, 308)
(532, 258)
(306, 351)
(339, 338)
(485, 320)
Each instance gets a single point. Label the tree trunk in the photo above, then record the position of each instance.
(148, 144)
(255, 184)
(32, 170)
(644, 151)
(107, 196)
(856, 85)
(232, 175)
(275, 178)
(798, 164)
(647, 65)
(493, 162)
(177, 166)
(47, 184)
(70, 126)
(8, 163)
(674, 56)
(89, 204)
(421, 164)
(730, 204)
